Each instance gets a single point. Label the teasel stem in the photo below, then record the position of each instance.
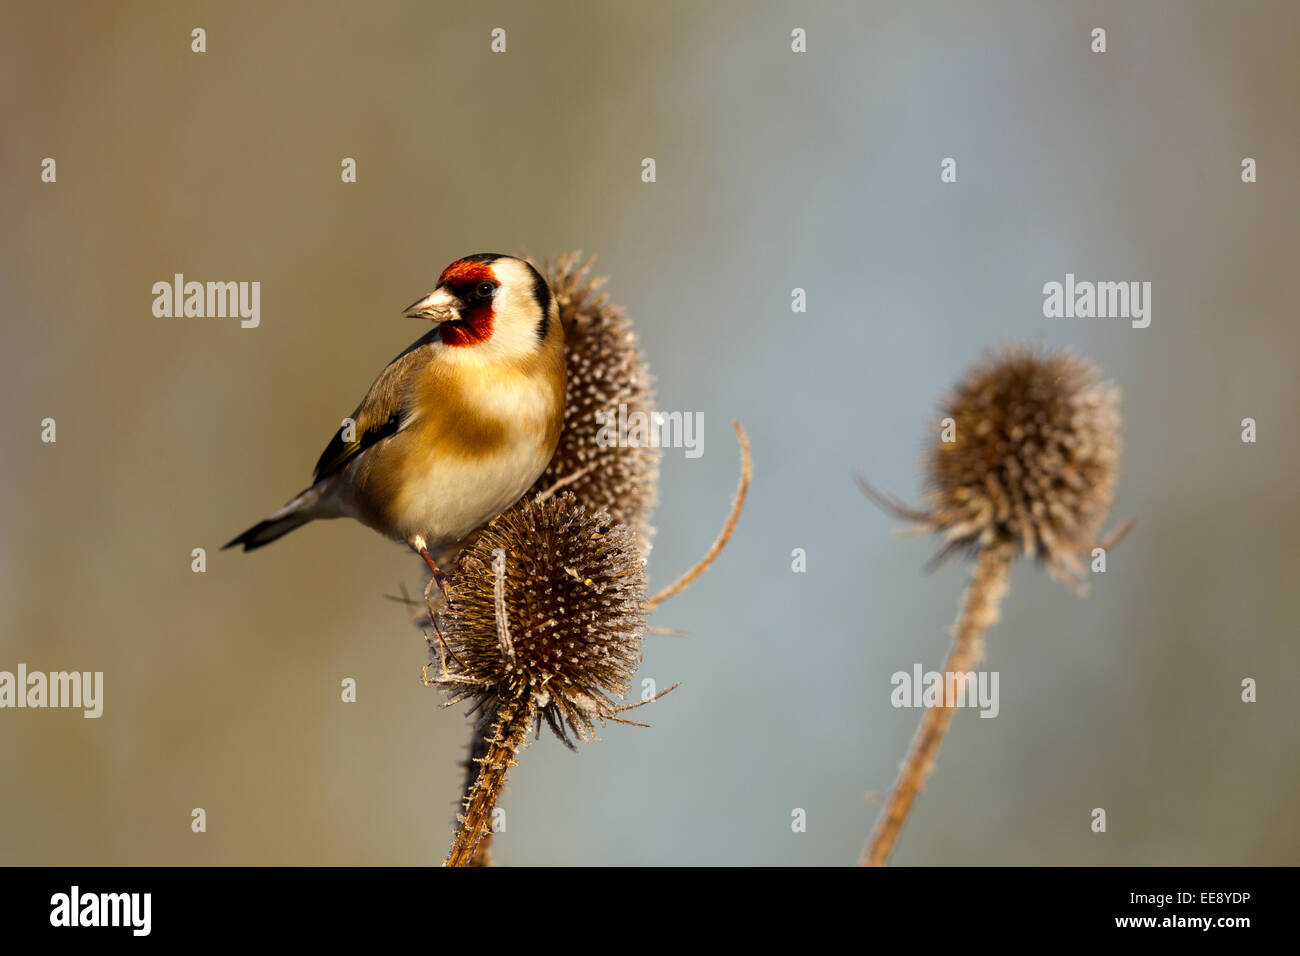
(494, 750)
(509, 734)
(979, 612)
(478, 751)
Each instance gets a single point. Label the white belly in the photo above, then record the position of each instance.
(452, 498)
(478, 443)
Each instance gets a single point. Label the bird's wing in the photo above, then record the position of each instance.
(380, 413)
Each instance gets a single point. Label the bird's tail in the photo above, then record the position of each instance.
(293, 515)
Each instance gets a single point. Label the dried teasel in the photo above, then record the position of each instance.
(1031, 464)
(548, 605)
(544, 625)
(1027, 467)
(608, 374)
(581, 629)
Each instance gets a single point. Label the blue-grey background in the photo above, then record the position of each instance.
(775, 170)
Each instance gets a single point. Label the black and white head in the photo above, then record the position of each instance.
(491, 303)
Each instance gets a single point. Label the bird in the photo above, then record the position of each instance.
(457, 427)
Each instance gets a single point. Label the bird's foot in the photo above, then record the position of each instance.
(438, 576)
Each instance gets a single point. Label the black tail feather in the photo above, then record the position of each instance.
(264, 532)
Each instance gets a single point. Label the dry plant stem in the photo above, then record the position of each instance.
(737, 504)
(566, 481)
(509, 733)
(491, 751)
(478, 750)
(979, 612)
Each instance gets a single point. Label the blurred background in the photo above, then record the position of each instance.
(775, 170)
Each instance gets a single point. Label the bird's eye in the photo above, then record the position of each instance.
(485, 289)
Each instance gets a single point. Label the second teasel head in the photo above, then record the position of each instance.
(1033, 458)
(606, 371)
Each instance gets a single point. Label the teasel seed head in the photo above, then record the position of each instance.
(1026, 467)
(606, 369)
(1034, 458)
(547, 617)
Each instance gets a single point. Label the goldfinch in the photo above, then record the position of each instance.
(457, 427)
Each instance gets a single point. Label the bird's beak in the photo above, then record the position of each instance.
(438, 306)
